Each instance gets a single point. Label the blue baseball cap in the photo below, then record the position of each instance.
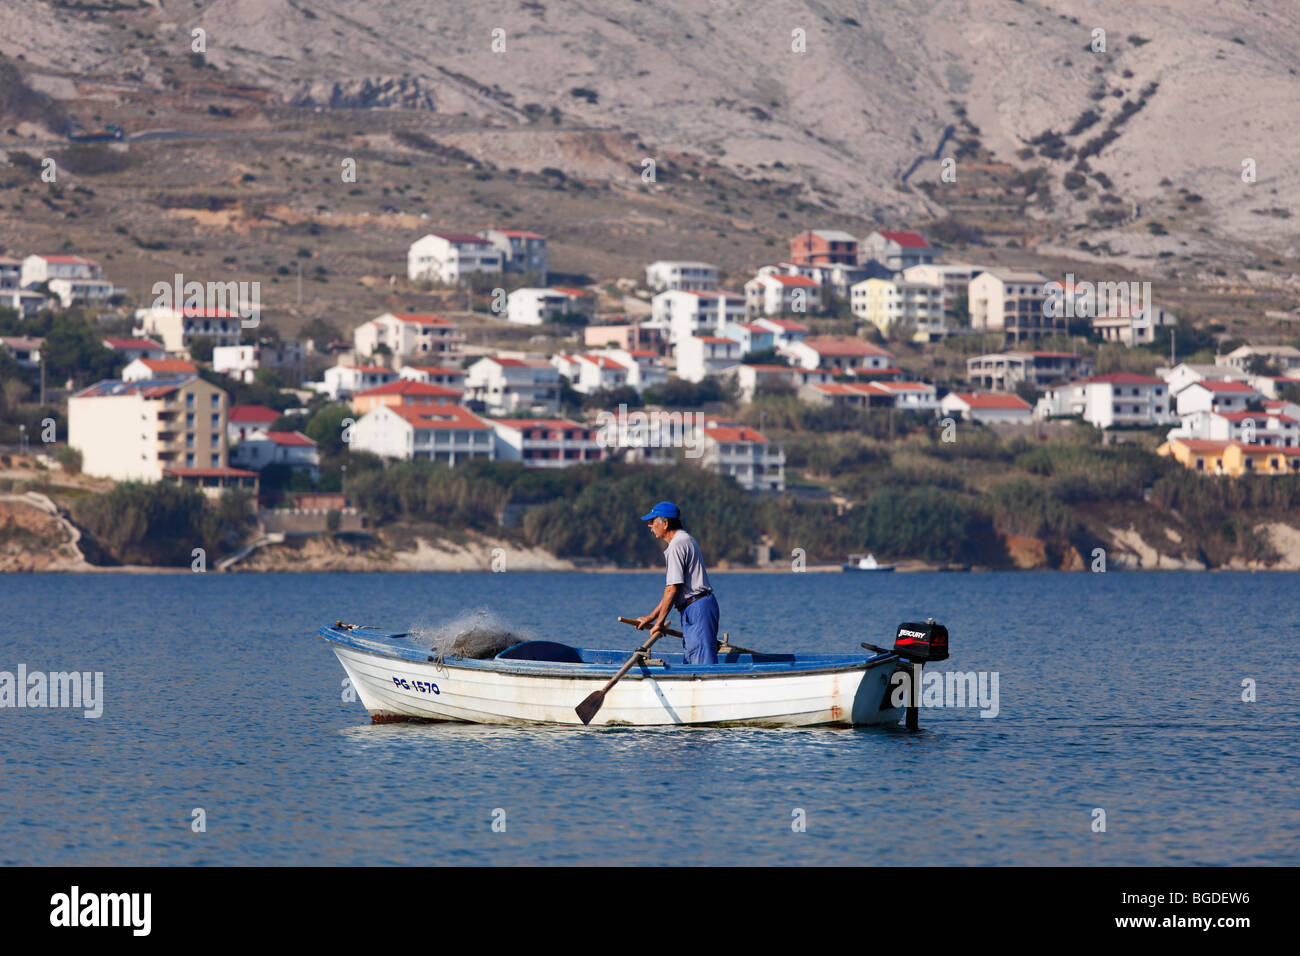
(665, 509)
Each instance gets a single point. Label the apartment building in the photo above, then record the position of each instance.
(155, 428)
(685, 312)
(416, 336)
(521, 251)
(745, 455)
(545, 442)
(73, 279)
(1106, 401)
(404, 392)
(988, 409)
(887, 302)
(896, 250)
(449, 257)
(775, 294)
(293, 450)
(448, 434)
(1012, 302)
(507, 385)
(952, 277)
(665, 275)
(177, 329)
(824, 247)
(536, 306)
(841, 353)
(1002, 371)
(699, 356)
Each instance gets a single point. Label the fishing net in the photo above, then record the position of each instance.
(478, 636)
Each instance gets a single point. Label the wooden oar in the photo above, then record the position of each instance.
(588, 708)
(670, 631)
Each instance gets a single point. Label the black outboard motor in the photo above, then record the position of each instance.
(915, 645)
(922, 642)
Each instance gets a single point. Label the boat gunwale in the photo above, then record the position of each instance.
(836, 663)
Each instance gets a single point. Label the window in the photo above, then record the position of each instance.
(189, 460)
(1200, 464)
(189, 401)
(216, 419)
(189, 440)
(216, 400)
(216, 440)
(216, 461)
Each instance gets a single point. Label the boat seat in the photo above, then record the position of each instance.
(541, 651)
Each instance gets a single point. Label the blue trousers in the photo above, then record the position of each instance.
(700, 630)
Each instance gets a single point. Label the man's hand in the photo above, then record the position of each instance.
(644, 622)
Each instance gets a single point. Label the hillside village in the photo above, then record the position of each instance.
(201, 394)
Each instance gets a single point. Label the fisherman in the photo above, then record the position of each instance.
(688, 587)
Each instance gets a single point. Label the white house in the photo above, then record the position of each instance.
(746, 455)
(263, 449)
(506, 385)
(434, 375)
(672, 275)
(1104, 401)
(410, 335)
(774, 294)
(521, 251)
(988, 408)
(1000, 371)
(545, 442)
(139, 369)
(342, 381)
(25, 350)
(246, 420)
(699, 356)
(25, 302)
(908, 396)
(686, 312)
(749, 378)
(896, 250)
(1268, 427)
(887, 302)
(1131, 327)
(1185, 373)
(450, 257)
(535, 306)
(178, 328)
(440, 433)
(1012, 302)
(73, 279)
(644, 366)
(1285, 357)
(237, 361)
(1209, 395)
(844, 353)
(136, 348)
(590, 373)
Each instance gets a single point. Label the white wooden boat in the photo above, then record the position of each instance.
(541, 682)
(858, 562)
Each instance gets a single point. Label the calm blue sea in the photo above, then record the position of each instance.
(1118, 691)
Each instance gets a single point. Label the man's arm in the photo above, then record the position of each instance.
(660, 613)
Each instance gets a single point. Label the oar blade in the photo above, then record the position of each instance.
(588, 708)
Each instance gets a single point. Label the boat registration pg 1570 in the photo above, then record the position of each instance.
(424, 687)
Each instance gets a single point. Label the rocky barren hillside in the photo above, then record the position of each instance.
(844, 97)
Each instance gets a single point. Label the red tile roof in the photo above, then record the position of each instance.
(735, 435)
(1256, 416)
(437, 369)
(168, 365)
(519, 423)
(908, 240)
(70, 260)
(295, 439)
(790, 325)
(408, 387)
(252, 414)
(791, 280)
(518, 234)
(132, 345)
(830, 345)
(993, 401)
(426, 417)
(1240, 387)
(602, 361)
(582, 293)
(371, 369)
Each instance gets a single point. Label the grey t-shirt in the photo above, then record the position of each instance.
(686, 567)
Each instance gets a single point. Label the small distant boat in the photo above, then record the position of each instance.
(542, 682)
(858, 562)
